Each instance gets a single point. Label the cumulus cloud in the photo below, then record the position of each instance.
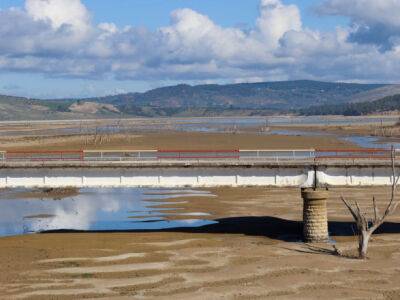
(373, 22)
(370, 11)
(276, 19)
(59, 38)
(59, 13)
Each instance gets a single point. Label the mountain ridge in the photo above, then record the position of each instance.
(263, 95)
(241, 99)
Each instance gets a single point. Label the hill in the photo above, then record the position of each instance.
(377, 94)
(387, 104)
(266, 96)
(243, 99)
(19, 108)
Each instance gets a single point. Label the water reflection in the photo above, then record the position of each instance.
(98, 209)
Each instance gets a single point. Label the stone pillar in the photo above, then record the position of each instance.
(315, 215)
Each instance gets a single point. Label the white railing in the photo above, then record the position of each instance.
(278, 155)
(158, 155)
(119, 155)
(198, 155)
(262, 155)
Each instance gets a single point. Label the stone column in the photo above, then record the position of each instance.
(315, 215)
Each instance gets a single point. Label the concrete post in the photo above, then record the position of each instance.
(315, 215)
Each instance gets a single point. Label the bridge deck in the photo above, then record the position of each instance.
(175, 168)
(195, 158)
(197, 163)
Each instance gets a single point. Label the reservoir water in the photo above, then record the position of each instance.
(99, 210)
(209, 124)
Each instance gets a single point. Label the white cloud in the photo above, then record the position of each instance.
(369, 11)
(58, 38)
(194, 37)
(276, 19)
(373, 22)
(59, 13)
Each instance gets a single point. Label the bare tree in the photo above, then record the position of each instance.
(367, 226)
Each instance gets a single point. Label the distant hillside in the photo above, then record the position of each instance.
(268, 96)
(244, 99)
(376, 94)
(387, 104)
(19, 108)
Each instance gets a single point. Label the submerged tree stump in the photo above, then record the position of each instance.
(315, 215)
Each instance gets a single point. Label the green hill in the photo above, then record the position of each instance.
(387, 104)
(265, 96)
(243, 99)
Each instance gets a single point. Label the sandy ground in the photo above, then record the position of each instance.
(146, 134)
(173, 141)
(252, 253)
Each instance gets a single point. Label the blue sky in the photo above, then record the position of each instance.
(215, 41)
(223, 12)
(156, 13)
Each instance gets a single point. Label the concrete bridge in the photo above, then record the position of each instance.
(199, 168)
(195, 168)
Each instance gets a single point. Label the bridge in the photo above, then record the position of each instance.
(206, 168)
(195, 168)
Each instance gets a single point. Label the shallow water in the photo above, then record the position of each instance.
(210, 124)
(371, 142)
(98, 210)
(291, 120)
(298, 132)
(361, 141)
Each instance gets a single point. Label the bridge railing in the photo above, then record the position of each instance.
(309, 155)
(353, 154)
(197, 154)
(158, 155)
(43, 155)
(119, 155)
(278, 155)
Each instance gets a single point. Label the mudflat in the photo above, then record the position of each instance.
(171, 140)
(253, 252)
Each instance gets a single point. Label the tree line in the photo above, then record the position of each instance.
(391, 103)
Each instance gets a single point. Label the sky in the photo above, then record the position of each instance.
(84, 48)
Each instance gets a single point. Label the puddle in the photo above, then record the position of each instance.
(370, 142)
(99, 210)
(298, 133)
(361, 141)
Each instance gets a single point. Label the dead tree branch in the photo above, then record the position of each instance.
(366, 227)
